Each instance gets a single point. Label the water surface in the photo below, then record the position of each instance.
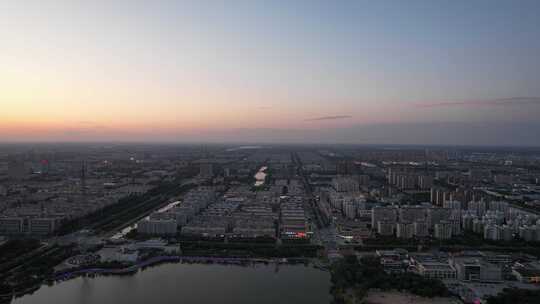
(193, 284)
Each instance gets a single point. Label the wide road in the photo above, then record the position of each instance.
(326, 233)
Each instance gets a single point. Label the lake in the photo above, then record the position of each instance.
(193, 284)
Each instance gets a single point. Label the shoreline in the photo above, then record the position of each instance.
(186, 260)
(155, 261)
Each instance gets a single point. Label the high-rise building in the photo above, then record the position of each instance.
(501, 206)
(363, 179)
(406, 181)
(425, 182)
(436, 215)
(439, 196)
(491, 232)
(420, 229)
(206, 170)
(479, 207)
(405, 230)
(455, 205)
(385, 228)
(349, 208)
(443, 230)
(456, 227)
(387, 214)
(478, 226)
(345, 184)
(412, 214)
(467, 221)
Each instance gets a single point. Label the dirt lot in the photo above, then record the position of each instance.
(403, 298)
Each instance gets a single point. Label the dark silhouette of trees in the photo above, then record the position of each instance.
(515, 295)
(359, 276)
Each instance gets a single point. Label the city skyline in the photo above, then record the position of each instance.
(419, 72)
(257, 151)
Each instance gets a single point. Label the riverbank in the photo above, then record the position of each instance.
(69, 274)
(93, 271)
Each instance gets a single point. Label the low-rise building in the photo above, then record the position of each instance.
(42, 226)
(473, 269)
(436, 270)
(11, 225)
(157, 226)
(526, 274)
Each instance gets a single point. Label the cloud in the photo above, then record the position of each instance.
(329, 117)
(511, 101)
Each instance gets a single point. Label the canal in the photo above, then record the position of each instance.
(120, 234)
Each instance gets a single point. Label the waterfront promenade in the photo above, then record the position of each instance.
(65, 275)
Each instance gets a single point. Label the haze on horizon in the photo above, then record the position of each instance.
(404, 72)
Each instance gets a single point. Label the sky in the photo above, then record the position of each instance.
(406, 72)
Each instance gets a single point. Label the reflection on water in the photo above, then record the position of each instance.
(193, 284)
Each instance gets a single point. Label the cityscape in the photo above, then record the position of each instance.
(469, 217)
(273, 152)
